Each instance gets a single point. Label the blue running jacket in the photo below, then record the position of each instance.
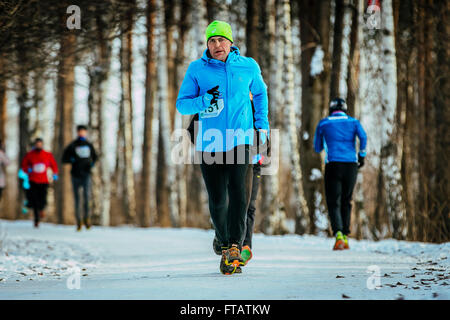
(236, 78)
(337, 135)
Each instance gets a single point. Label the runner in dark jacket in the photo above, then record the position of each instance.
(81, 154)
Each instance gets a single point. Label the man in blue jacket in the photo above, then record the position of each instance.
(217, 88)
(337, 135)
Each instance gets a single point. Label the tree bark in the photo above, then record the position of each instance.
(405, 57)
(252, 34)
(150, 91)
(440, 100)
(314, 33)
(98, 75)
(3, 98)
(64, 124)
(337, 48)
(184, 25)
(353, 59)
(269, 67)
(127, 114)
(166, 192)
(300, 207)
(171, 46)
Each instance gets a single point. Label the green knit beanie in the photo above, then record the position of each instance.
(219, 28)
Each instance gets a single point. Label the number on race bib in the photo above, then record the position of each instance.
(213, 110)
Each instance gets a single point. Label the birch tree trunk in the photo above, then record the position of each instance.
(300, 207)
(391, 149)
(98, 75)
(127, 114)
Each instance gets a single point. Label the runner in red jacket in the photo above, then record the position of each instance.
(35, 164)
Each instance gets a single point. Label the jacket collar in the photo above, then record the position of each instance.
(338, 113)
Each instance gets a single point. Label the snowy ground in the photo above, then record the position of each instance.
(52, 262)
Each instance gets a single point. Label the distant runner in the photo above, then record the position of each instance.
(35, 165)
(337, 135)
(81, 154)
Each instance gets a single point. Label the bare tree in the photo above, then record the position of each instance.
(3, 97)
(64, 125)
(315, 63)
(300, 208)
(150, 91)
(127, 110)
(337, 48)
(353, 57)
(166, 191)
(98, 76)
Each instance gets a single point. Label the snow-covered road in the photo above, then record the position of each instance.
(52, 262)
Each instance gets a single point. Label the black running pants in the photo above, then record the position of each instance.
(340, 179)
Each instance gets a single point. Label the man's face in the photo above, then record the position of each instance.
(39, 145)
(219, 47)
(82, 133)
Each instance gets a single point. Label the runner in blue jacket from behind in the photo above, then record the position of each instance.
(337, 135)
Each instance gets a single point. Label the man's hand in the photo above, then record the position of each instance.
(360, 161)
(212, 95)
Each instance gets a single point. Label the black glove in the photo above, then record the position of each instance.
(360, 161)
(215, 93)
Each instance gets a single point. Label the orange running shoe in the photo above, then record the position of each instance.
(339, 244)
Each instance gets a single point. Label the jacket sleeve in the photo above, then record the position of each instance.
(67, 154)
(260, 100)
(188, 100)
(318, 139)
(94, 155)
(362, 139)
(53, 164)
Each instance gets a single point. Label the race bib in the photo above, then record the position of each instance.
(39, 168)
(213, 110)
(83, 152)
